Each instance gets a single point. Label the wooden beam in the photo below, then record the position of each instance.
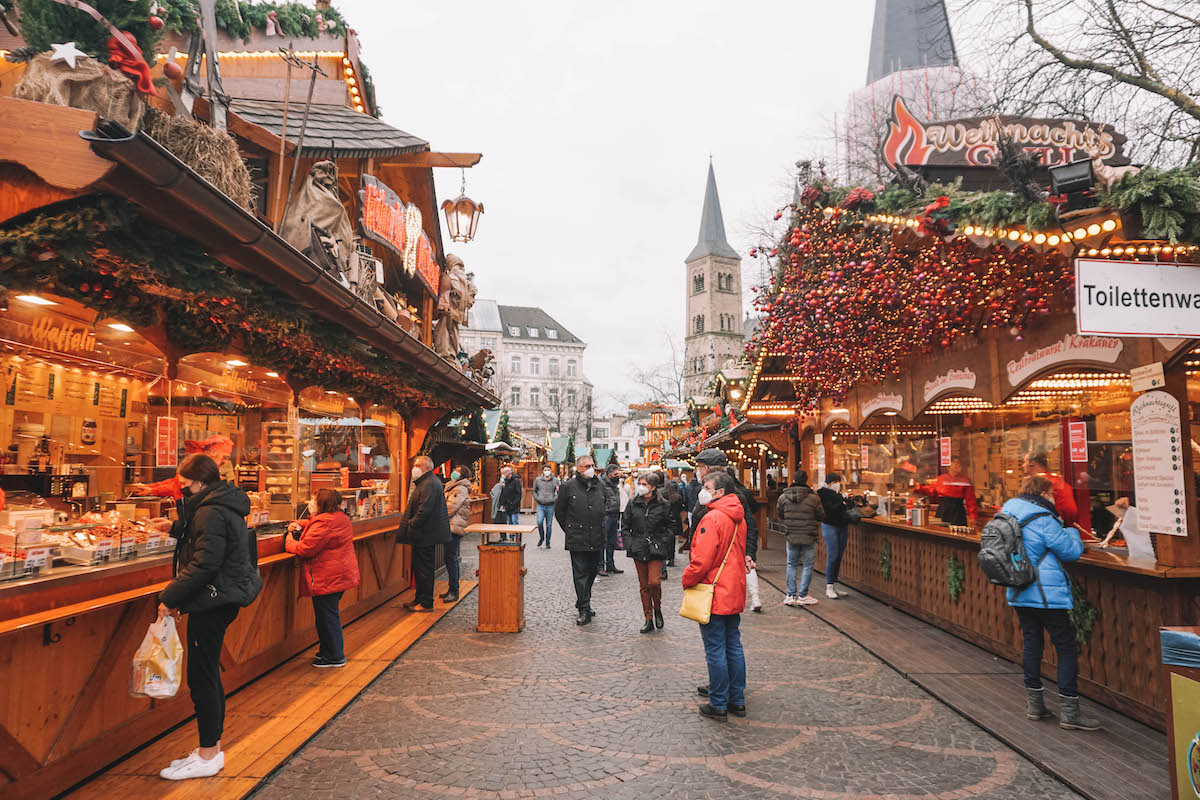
(427, 159)
(255, 134)
(45, 140)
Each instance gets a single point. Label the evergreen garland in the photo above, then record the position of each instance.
(44, 22)
(99, 251)
(954, 578)
(885, 559)
(503, 431)
(1166, 200)
(1082, 613)
(240, 20)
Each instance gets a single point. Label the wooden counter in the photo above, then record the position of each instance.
(66, 646)
(1119, 663)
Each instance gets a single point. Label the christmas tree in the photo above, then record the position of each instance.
(503, 432)
(612, 459)
(45, 22)
(570, 456)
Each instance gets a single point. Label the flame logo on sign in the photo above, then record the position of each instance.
(905, 141)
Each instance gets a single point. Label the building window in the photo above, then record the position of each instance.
(552, 397)
(551, 333)
(534, 397)
(513, 330)
(570, 398)
(515, 365)
(533, 333)
(535, 366)
(698, 283)
(626, 447)
(601, 433)
(487, 342)
(571, 367)
(698, 323)
(516, 395)
(554, 366)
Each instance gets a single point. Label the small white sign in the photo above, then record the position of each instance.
(1145, 378)
(818, 438)
(103, 549)
(1158, 442)
(1071, 347)
(153, 540)
(1134, 298)
(36, 557)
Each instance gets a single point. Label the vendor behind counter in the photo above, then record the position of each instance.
(955, 495)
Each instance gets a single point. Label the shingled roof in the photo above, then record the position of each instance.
(332, 132)
(525, 317)
(711, 240)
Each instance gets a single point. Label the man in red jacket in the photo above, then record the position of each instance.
(1064, 498)
(718, 557)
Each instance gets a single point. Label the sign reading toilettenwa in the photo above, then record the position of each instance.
(1131, 298)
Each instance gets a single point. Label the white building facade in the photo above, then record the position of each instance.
(538, 369)
(618, 432)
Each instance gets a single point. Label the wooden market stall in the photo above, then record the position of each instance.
(145, 314)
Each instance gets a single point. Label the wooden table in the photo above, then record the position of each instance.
(501, 576)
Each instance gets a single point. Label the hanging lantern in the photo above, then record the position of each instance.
(462, 214)
(462, 217)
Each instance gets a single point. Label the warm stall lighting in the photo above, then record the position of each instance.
(120, 326)
(33, 299)
(462, 216)
(233, 362)
(1109, 225)
(272, 374)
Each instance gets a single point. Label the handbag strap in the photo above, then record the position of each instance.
(726, 558)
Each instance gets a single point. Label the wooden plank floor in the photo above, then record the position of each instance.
(271, 718)
(1125, 761)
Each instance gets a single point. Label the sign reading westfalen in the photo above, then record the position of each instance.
(1133, 298)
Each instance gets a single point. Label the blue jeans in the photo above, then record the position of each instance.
(835, 537)
(726, 661)
(610, 541)
(453, 565)
(545, 522)
(798, 554)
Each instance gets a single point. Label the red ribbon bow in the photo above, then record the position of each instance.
(120, 58)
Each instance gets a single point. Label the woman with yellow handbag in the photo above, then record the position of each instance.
(715, 596)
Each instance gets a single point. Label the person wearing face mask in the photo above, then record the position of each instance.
(649, 539)
(614, 505)
(425, 524)
(216, 574)
(713, 460)
(579, 511)
(458, 508)
(835, 530)
(510, 497)
(545, 492)
(324, 543)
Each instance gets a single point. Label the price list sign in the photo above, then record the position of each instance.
(1158, 442)
(166, 442)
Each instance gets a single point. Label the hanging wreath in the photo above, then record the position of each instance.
(885, 559)
(1082, 614)
(954, 578)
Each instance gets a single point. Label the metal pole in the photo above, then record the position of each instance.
(287, 97)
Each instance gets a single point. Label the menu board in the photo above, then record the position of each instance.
(1158, 442)
(944, 450)
(166, 442)
(1077, 442)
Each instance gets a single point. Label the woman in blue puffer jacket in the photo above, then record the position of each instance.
(1043, 604)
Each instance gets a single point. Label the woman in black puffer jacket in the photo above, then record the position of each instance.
(216, 575)
(649, 541)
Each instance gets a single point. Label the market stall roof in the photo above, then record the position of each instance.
(730, 435)
(602, 455)
(491, 422)
(105, 159)
(672, 463)
(333, 131)
(558, 449)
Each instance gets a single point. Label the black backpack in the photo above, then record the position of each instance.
(1002, 554)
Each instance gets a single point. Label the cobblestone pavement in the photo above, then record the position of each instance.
(604, 711)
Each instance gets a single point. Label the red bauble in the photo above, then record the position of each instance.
(156, 23)
(172, 71)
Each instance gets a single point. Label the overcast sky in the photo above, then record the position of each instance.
(596, 121)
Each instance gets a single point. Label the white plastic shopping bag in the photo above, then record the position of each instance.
(158, 662)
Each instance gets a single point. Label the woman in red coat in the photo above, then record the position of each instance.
(721, 540)
(328, 567)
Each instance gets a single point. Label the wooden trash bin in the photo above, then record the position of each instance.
(501, 575)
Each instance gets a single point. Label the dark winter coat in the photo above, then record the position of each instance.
(749, 506)
(580, 513)
(834, 507)
(510, 495)
(328, 563)
(425, 522)
(216, 557)
(797, 510)
(649, 535)
(612, 496)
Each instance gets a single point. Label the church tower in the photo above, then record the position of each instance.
(714, 298)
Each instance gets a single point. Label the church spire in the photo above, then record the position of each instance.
(711, 240)
(909, 34)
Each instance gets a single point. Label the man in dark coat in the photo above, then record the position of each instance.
(510, 497)
(579, 511)
(612, 516)
(425, 525)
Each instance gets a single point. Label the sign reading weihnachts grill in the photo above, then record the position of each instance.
(971, 141)
(388, 220)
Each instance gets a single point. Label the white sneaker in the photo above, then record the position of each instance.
(807, 600)
(830, 593)
(842, 591)
(179, 761)
(195, 767)
(789, 600)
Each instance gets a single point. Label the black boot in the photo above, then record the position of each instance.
(450, 597)
(648, 627)
(583, 619)
(708, 711)
(658, 618)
